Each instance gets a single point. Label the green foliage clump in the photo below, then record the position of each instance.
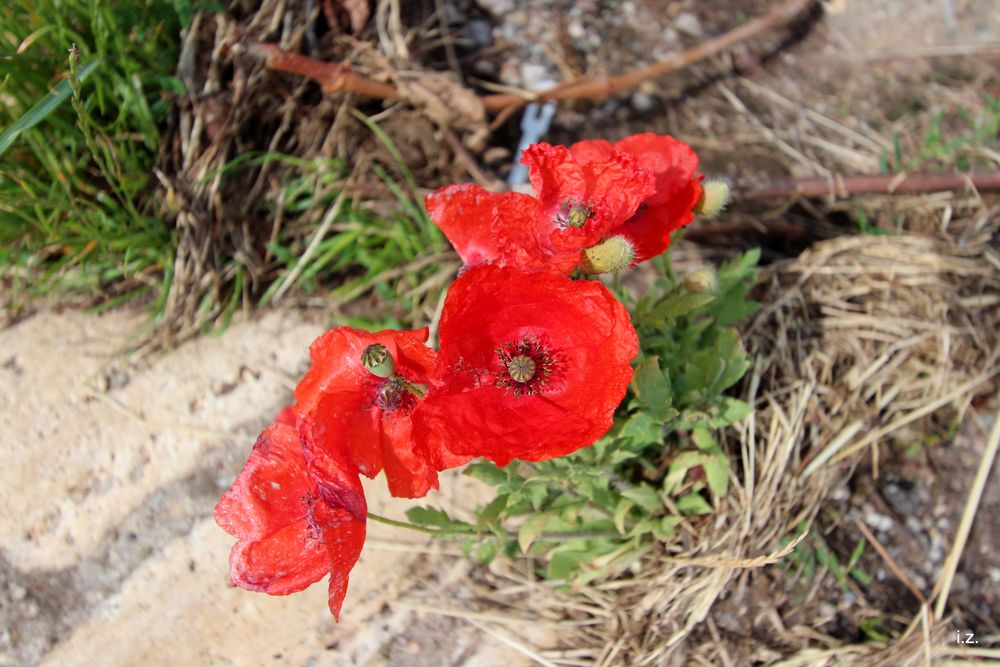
(74, 177)
(600, 509)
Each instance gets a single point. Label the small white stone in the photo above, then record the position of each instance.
(688, 23)
(497, 7)
(642, 102)
(879, 522)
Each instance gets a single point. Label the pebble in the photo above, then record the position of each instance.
(480, 33)
(879, 522)
(689, 24)
(497, 7)
(642, 102)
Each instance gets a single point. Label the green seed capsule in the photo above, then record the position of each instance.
(378, 361)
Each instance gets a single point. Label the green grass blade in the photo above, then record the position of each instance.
(43, 108)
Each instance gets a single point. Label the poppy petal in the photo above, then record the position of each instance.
(464, 213)
(267, 494)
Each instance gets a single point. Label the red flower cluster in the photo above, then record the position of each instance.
(637, 192)
(532, 364)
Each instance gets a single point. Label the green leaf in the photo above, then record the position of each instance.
(652, 387)
(641, 430)
(537, 494)
(693, 503)
(861, 576)
(621, 513)
(716, 469)
(486, 552)
(563, 564)
(703, 439)
(678, 304)
(487, 472)
(666, 528)
(44, 107)
(679, 468)
(733, 410)
(530, 530)
(432, 517)
(645, 497)
(489, 513)
(856, 554)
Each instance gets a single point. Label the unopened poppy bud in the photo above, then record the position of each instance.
(714, 197)
(702, 280)
(378, 361)
(612, 254)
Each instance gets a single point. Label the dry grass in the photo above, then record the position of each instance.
(858, 336)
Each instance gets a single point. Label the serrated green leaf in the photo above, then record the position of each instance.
(537, 494)
(489, 513)
(652, 387)
(641, 429)
(679, 468)
(531, 529)
(621, 514)
(731, 411)
(645, 497)
(487, 472)
(693, 503)
(716, 469)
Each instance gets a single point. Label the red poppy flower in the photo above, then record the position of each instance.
(532, 366)
(576, 205)
(340, 402)
(289, 536)
(674, 166)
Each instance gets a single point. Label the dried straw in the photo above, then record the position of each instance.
(857, 336)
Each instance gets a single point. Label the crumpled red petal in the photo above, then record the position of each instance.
(580, 323)
(288, 537)
(613, 188)
(672, 162)
(650, 229)
(674, 167)
(337, 402)
(464, 213)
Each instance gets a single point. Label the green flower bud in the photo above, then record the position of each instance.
(714, 197)
(378, 361)
(612, 254)
(702, 280)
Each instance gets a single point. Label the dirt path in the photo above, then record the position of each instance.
(108, 552)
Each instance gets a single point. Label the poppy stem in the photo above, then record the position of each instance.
(422, 529)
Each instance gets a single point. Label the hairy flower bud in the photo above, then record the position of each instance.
(702, 280)
(714, 197)
(378, 361)
(611, 254)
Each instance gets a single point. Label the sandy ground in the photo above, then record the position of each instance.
(108, 551)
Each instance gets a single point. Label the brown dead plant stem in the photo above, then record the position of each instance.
(338, 77)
